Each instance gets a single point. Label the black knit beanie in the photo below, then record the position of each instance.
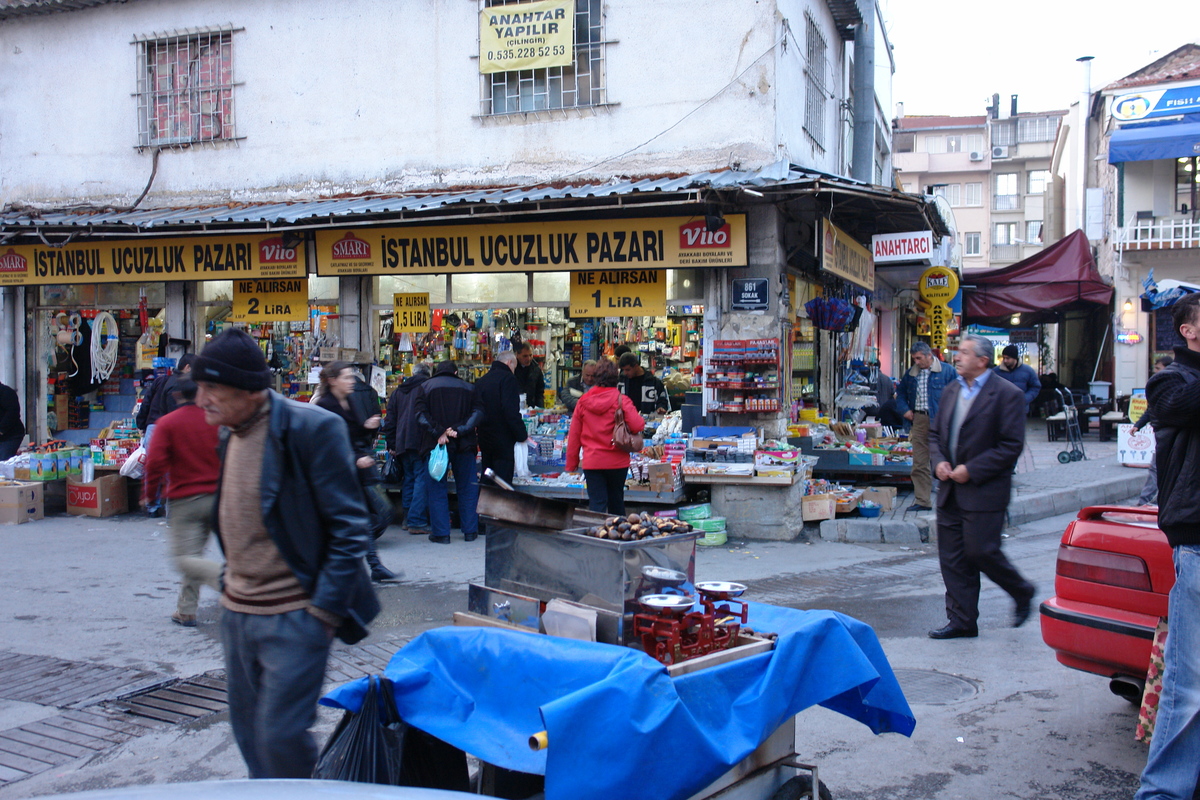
(1011, 352)
(233, 359)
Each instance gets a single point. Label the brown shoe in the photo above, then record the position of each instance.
(186, 620)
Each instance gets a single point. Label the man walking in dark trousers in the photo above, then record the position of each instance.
(404, 438)
(975, 440)
(448, 409)
(502, 427)
(1173, 765)
(917, 401)
(292, 521)
(12, 429)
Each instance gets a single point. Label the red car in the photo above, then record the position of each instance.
(1112, 579)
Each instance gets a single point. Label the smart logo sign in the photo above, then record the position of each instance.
(572, 245)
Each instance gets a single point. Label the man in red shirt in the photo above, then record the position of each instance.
(183, 461)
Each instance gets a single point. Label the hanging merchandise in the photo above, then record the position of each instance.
(864, 333)
(105, 346)
(829, 313)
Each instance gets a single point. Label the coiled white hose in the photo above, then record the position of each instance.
(105, 346)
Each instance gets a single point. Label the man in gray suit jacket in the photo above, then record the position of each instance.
(975, 442)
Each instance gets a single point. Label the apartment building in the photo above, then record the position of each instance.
(995, 172)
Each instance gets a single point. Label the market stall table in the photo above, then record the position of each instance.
(609, 711)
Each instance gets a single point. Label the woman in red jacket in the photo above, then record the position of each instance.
(604, 466)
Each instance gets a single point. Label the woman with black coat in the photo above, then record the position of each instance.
(341, 394)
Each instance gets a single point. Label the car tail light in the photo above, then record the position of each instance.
(1113, 569)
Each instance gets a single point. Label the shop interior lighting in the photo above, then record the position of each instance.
(1128, 306)
(1015, 319)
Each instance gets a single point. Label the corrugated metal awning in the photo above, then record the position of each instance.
(774, 183)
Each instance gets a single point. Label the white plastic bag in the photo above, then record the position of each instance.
(521, 458)
(135, 466)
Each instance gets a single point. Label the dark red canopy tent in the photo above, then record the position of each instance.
(1062, 277)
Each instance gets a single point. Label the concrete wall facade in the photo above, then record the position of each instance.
(373, 95)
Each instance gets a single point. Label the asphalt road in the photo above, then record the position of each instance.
(998, 717)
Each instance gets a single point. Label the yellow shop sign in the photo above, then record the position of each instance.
(619, 293)
(572, 245)
(271, 300)
(206, 258)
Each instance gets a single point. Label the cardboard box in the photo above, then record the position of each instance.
(102, 497)
(818, 506)
(662, 479)
(885, 496)
(62, 409)
(327, 354)
(20, 502)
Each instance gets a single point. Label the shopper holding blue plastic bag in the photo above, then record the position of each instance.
(448, 411)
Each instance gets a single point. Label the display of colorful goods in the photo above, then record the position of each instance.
(52, 461)
(115, 444)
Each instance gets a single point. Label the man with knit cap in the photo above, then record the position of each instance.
(293, 524)
(1020, 375)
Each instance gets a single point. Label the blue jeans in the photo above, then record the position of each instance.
(466, 486)
(153, 503)
(274, 666)
(1173, 766)
(415, 490)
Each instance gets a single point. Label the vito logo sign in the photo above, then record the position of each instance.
(201, 258)
(569, 245)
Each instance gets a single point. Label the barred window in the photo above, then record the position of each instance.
(1004, 133)
(579, 85)
(185, 87)
(816, 94)
(1037, 129)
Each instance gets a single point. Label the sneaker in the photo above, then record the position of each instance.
(419, 531)
(186, 620)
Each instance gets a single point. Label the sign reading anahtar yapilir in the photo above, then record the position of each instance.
(527, 36)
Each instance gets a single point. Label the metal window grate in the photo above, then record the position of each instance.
(816, 94)
(185, 88)
(1037, 129)
(580, 85)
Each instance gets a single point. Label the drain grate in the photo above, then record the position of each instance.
(66, 684)
(928, 687)
(38, 746)
(178, 701)
(123, 704)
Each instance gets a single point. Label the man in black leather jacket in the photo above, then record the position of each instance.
(1174, 396)
(449, 409)
(293, 525)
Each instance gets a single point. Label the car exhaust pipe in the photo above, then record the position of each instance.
(1129, 688)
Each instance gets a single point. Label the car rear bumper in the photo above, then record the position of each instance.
(1098, 639)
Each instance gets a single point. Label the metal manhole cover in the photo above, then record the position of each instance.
(930, 688)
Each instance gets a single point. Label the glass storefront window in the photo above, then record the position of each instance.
(388, 285)
(684, 284)
(551, 287)
(323, 288)
(126, 295)
(210, 291)
(68, 295)
(489, 288)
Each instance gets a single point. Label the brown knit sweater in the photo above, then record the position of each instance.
(257, 578)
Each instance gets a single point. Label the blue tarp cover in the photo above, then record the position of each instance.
(1153, 141)
(611, 713)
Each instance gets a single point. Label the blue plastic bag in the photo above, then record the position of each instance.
(439, 460)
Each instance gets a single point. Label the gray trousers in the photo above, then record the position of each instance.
(274, 668)
(1150, 488)
(190, 522)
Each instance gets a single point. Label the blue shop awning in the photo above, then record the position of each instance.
(1175, 139)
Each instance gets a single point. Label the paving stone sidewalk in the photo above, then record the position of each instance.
(1042, 488)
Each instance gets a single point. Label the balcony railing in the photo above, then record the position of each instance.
(1160, 233)
(1006, 202)
(1006, 252)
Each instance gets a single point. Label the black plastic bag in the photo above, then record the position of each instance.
(366, 747)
